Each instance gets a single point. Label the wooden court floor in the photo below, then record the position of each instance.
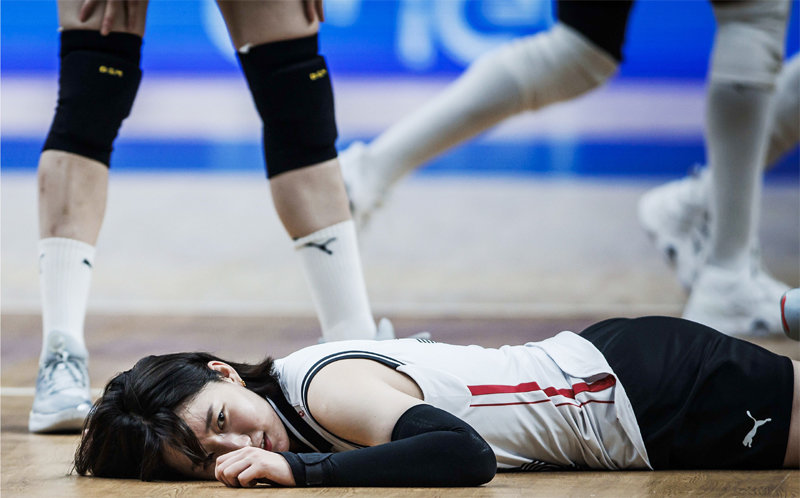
(38, 465)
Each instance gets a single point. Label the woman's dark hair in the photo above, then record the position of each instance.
(130, 426)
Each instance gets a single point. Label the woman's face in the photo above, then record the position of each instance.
(226, 416)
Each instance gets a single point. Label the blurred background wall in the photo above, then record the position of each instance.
(536, 217)
(387, 56)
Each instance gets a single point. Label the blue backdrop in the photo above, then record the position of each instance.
(666, 39)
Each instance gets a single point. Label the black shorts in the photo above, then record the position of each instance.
(697, 393)
(602, 22)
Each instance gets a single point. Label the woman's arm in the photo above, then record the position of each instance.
(409, 442)
(429, 447)
(361, 400)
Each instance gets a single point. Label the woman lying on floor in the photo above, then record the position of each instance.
(646, 393)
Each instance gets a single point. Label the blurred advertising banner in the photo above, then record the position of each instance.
(665, 39)
(387, 57)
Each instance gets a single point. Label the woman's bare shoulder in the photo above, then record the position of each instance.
(360, 400)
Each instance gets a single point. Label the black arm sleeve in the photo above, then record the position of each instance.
(429, 447)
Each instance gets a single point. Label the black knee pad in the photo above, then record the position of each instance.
(292, 91)
(601, 22)
(98, 81)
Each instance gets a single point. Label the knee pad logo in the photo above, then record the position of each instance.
(317, 74)
(110, 71)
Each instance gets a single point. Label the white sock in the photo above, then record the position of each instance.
(526, 74)
(65, 274)
(784, 120)
(736, 141)
(332, 267)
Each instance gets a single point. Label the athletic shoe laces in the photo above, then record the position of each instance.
(62, 371)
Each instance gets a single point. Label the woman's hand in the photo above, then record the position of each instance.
(313, 10)
(112, 8)
(246, 467)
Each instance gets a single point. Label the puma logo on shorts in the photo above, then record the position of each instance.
(748, 439)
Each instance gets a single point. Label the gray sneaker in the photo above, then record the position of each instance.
(62, 398)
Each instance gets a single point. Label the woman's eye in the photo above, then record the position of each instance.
(221, 420)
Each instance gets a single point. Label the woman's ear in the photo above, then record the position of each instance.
(226, 371)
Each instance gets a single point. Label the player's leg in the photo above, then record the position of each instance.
(730, 294)
(98, 79)
(784, 126)
(698, 394)
(675, 215)
(578, 54)
(290, 84)
(792, 459)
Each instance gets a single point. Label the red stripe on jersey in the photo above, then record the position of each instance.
(542, 401)
(513, 403)
(498, 389)
(597, 386)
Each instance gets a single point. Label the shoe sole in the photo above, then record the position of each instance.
(671, 247)
(651, 225)
(70, 420)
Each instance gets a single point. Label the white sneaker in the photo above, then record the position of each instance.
(385, 332)
(62, 398)
(364, 192)
(790, 314)
(736, 302)
(675, 216)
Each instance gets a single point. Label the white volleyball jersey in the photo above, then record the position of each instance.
(545, 405)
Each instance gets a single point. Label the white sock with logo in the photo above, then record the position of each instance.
(65, 275)
(332, 266)
(736, 135)
(529, 73)
(783, 121)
